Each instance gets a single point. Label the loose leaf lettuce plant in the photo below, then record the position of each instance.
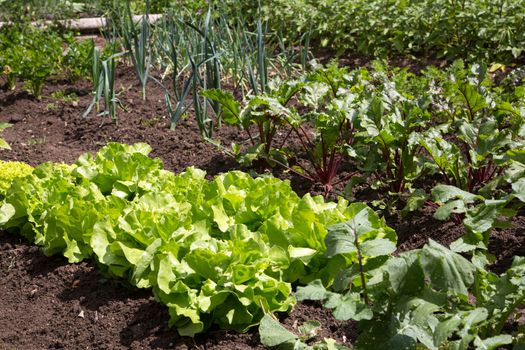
(9, 172)
(223, 251)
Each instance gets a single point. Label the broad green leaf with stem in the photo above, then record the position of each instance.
(231, 109)
(422, 297)
(478, 215)
(361, 240)
(273, 334)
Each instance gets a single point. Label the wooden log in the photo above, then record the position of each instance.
(88, 25)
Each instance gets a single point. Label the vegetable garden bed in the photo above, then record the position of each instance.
(48, 303)
(371, 201)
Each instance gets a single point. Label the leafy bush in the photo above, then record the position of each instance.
(75, 62)
(31, 55)
(427, 297)
(225, 257)
(469, 29)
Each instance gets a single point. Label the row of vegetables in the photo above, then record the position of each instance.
(397, 126)
(450, 139)
(230, 250)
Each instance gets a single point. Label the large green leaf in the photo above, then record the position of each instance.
(446, 270)
(445, 193)
(518, 189)
(313, 291)
(348, 307)
(231, 109)
(273, 333)
(372, 235)
(472, 99)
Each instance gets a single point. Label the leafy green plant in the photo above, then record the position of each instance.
(228, 256)
(76, 62)
(273, 334)
(9, 172)
(324, 103)
(267, 113)
(394, 110)
(479, 127)
(31, 56)
(478, 215)
(22, 11)
(421, 298)
(3, 143)
(470, 151)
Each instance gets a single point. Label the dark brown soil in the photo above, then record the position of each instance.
(46, 303)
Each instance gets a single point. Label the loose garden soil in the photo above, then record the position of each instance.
(46, 303)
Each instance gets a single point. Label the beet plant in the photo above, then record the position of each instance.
(261, 119)
(481, 124)
(393, 111)
(316, 110)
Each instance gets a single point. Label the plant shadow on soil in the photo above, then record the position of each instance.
(47, 303)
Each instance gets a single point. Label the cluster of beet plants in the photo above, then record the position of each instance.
(450, 139)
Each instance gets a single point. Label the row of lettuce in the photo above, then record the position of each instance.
(227, 251)
(222, 251)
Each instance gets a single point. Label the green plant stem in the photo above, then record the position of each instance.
(360, 262)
